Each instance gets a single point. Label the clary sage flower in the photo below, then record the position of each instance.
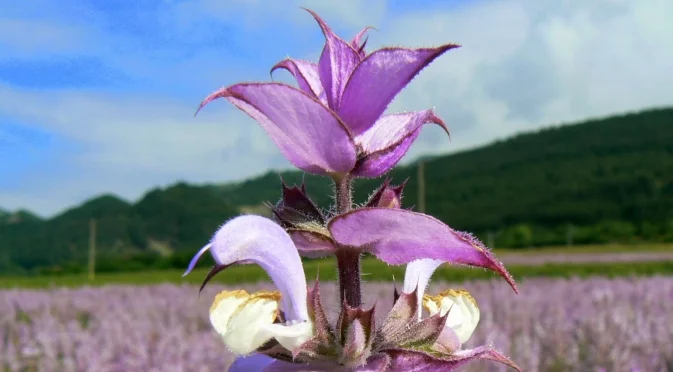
(333, 125)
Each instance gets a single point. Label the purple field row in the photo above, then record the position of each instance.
(553, 325)
(542, 258)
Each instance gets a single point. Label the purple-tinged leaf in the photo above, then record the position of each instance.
(447, 342)
(348, 315)
(402, 328)
(306, 74)
(398, 236)
(323, 345)
(358, 44)
(387, 196)
(337, 62)
(354, 351)
(324, 330)
(424, 333)
(375, 197)
(416, 361)
(308, 134)
(296, 207)
(377, 80)
(386, 142)
(398, 320)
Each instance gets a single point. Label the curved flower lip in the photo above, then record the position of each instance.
(398, 236)
(255, 239)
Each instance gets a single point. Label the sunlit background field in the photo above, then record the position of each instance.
(560, 160)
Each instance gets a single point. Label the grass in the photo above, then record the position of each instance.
(373, 270)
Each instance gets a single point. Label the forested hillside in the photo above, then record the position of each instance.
(602, 180)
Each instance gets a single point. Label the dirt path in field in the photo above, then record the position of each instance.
(543, 258)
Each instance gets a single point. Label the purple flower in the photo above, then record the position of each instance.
(333, 123)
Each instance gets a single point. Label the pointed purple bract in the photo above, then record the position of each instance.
(306, 74)
(398, 236)
(307, 133)
(377, 80)
(296, 207)
(337, 61)
(358, 44)
(387, 196)
(386, 142)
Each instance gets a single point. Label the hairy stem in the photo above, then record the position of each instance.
(343, 193)
(348, 260)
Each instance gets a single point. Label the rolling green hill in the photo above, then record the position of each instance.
(601, 180)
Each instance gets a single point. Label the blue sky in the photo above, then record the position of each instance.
(99, 96)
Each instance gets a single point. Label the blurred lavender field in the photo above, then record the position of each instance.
(553, 325)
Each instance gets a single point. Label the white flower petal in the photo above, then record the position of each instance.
(223, 307)
(246, 327)
(417, 276)
(462, 308)
(246, 321)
